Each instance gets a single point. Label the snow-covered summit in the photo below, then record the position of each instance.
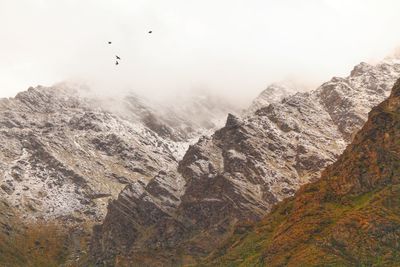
(274, 93)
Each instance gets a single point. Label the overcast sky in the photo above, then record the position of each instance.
(233, 47)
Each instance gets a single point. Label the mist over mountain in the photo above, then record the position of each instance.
(231, 49)
(123, 179)
(199, 133)
(239, 173)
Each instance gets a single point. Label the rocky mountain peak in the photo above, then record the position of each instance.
(360, 69)
(349, 217)
(232, 121)
(274, 93)
(246, 167)
(66, 152)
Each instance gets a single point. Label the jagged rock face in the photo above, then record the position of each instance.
(62, 158)
(349, 100)
(64, 155)
(274, 93)
(373, 159)
(264, 158)
(348, 218)
(252, 163)
(148, 213)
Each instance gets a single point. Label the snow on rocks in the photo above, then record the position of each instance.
(65, 153)
(247, 166)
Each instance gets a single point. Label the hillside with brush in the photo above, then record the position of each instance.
(350, 217)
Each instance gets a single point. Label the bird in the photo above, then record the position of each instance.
(109, 42)
(150, 31)
(116, 62)
(118, 57)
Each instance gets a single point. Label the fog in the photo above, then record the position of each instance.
(232, 48)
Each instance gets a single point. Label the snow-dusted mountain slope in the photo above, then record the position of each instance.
(64, 155)
(240, 172)
(274, 93)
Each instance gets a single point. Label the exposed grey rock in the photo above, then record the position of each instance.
(65, 153)
(274, 93)
(242, 170)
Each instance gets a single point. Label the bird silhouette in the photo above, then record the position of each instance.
(109, 42)
(116, 62)
(118, 57)
(150, 31)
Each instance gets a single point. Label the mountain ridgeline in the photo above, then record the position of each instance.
(88, 180)
(350, 217)
(65, 153)
(239, 173)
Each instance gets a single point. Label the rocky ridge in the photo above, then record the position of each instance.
(64, 154)
(240, 172)
(274, 93)
(350, 217)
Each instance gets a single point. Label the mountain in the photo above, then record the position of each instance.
(274, 93)
(65, 153)
(185, 118)
(350, 217)
(239, 172)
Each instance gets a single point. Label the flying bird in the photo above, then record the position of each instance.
(109, 42)
(150, 31)
(116, 62)
(118, 57)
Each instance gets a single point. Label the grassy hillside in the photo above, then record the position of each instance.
(39, 244)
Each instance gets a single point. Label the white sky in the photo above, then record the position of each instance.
(232, 47)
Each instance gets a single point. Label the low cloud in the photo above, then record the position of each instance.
(231, 48)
